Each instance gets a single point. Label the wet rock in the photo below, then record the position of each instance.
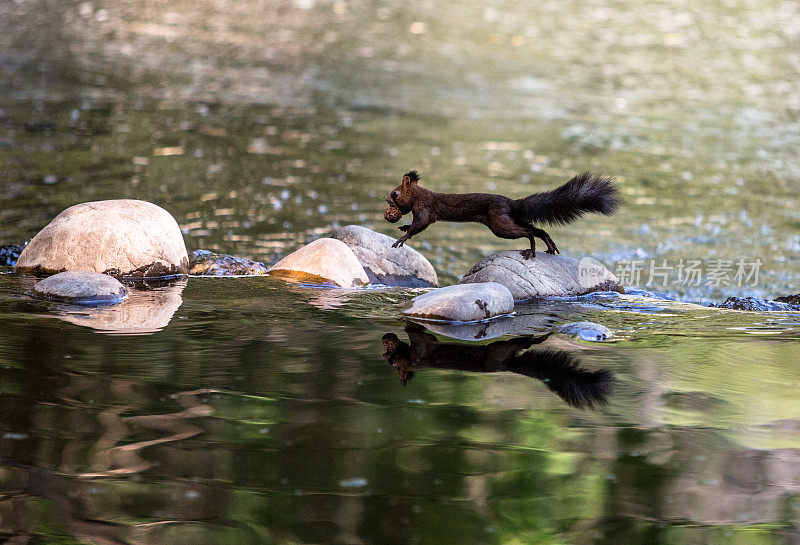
(588, 331)
(463, 303)
(81, 288)
(9, 255)
(121, 237)
(383, 264)
(793, 300)
(205, 263)
(543, 276)
(754, 304)
(324, 261)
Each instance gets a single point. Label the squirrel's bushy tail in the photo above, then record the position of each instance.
(584, 193)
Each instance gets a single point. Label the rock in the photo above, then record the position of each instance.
(324, 261)
(205, 263)
(463, 303)
(383, 264)
(9, 255)
(588, 331)
(543, 276)
(81, 288)
(793, 300)
(121, 237)
(755, 304)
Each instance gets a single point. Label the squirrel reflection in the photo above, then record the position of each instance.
(558, 369)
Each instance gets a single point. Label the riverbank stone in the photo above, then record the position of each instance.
(383, 264)
(81, 288)
(324, 261)
(206, 263)
(123, 237)
(463, 303)
(545, 275)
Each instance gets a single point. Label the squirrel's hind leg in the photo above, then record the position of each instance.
(504, 226)
(551, 246)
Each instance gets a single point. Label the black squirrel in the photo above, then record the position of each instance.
(507, 218)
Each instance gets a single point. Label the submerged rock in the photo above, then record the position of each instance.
(588, 331)
(463, 303)
(9, 255)
(324, 261)
(205, 263)
(543, 276)
(81, 288)
(121, 237)
(383, 264)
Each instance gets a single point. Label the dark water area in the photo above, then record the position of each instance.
(249, 410)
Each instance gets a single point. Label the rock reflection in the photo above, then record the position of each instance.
(147, 310)
(559, 370)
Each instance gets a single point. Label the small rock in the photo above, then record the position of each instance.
(324, 261)
(543, 276)
(383, 264)
(463, 303)
(588, 331)
(9, 255)
(121, 237)
(81, 288)
(205, 263)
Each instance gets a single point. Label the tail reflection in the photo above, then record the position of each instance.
(559, 370)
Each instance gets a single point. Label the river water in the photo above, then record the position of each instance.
(249, 410)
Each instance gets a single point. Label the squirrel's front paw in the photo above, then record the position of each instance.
(404, 228)
(397, 244)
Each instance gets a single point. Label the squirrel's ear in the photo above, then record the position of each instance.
(411, 178)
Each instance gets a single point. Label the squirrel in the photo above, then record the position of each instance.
(507, 218)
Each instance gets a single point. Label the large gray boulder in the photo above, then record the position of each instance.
(463, 303)
(121, 237)
(81, 288)
(383, 264)
(324, 261)
(543, 276)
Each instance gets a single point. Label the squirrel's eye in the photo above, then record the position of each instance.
(394, 194)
